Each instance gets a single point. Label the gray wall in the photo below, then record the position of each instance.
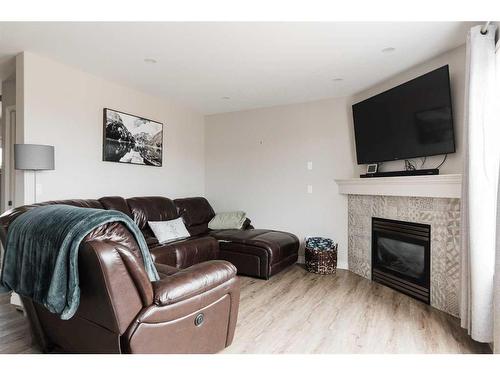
(62, 106)
(256, 160)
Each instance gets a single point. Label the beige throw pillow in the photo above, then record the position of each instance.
(227, 220)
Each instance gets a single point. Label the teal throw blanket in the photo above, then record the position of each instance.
(41, 254)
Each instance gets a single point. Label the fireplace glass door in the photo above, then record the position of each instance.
(401, 256)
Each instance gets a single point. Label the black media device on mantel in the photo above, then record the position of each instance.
(416, 172)
(408, 121)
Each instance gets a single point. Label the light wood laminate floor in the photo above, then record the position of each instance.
(299, 312)
(14, 332)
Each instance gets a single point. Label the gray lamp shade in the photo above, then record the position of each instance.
(33, 157)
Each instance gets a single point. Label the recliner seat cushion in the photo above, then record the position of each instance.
(188, 283)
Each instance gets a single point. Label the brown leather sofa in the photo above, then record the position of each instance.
(180, 254)
(193, 310)
(255, 252)
(122, 312)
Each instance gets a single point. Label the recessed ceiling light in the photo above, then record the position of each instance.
(225, 98)
(150, 61)
(388, 50)
(337, 79)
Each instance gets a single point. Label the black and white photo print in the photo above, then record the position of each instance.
(132, 139)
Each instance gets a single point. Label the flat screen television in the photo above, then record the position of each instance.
(408, 121)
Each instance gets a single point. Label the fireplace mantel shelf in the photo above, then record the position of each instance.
(437, 186)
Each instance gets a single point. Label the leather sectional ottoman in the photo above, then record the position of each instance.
(255, 252)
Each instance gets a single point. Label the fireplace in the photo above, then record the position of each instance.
(401, 256)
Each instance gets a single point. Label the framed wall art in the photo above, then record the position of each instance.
(132, 139)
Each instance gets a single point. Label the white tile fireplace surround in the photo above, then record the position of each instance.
(432, 200)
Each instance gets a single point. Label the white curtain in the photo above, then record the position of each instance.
(496, 297)
(480, 185)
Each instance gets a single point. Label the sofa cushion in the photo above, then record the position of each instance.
(196, 212)
(85, 203)
(185, 253)
(116, 203)
(164, 254)
(146, 209)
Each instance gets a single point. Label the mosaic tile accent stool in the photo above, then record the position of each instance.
(442, 214)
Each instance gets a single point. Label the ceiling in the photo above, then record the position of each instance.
(201, 65)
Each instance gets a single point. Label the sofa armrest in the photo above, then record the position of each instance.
(192, 281)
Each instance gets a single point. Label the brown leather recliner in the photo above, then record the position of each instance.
(193, 310)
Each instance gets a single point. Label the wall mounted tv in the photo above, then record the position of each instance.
(408, 121)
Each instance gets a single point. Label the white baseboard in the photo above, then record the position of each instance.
(341, 265)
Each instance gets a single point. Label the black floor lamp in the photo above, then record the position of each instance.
(30, 157)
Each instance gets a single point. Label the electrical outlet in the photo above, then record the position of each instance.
(309, 165)
(309, 189)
